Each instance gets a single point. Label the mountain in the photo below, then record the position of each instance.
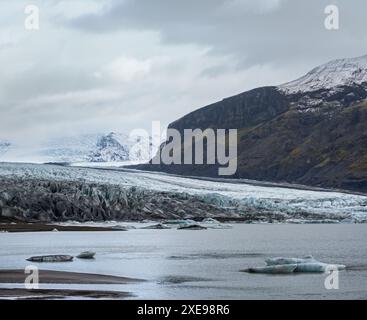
(109, 149)
(121, 147)
(101, 148)
(311, 131)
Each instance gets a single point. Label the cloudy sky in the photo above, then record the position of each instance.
(96, 66)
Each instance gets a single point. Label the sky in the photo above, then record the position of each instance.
(117, 65)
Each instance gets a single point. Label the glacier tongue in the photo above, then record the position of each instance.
(341, 72)
(244, 197)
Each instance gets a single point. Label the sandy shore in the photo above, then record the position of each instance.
(64, 277)
(46, 294)
(39, 227)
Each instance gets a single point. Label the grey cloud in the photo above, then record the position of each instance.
(270, 31)
(124, 64)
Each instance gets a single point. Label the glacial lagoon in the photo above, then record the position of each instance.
(203, 264)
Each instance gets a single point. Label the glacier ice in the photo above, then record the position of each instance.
(307, 264)
(245, 197)
(280, 260)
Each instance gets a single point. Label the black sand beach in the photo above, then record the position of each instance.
(60, 277)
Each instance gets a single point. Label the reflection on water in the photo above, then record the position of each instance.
(204, 264)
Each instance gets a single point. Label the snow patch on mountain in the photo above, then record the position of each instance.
(334, 74)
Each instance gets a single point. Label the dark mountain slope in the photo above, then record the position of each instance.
(312, 131)
(244, 110)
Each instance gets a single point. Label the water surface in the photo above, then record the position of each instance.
(205, 264)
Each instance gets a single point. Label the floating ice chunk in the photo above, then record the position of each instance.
(185, 222)
(210, 220)
(86, 255)
(318, 267)
(275, 269)
(305, 264)
(211, 223)
(158, 226)
(51, 258)
(191, 227)
(281, 261)
(218, 226)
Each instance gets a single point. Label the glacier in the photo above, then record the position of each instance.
(244, 197)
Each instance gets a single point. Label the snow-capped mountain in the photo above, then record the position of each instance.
(111, 147)
(121, 147)
(334, 74)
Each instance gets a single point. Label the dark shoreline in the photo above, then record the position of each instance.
(41, 227)
(64, 277)
(59, 294)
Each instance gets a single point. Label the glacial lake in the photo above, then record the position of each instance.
(204, 264)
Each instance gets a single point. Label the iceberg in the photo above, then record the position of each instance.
(210, 220)
(280, 260)
(158, 226)
(51, 258)
(275, 269)
(86, 255)
(318, 267)
(184, 222)
(218, 226)
(191, 227)
(303, 265)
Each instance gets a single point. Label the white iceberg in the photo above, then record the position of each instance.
(276, 269)
(318, 267)
(210, 220)
(281, 260)
(306, 264)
